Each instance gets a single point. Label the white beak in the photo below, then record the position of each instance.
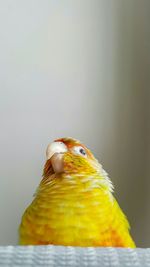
(55, 152)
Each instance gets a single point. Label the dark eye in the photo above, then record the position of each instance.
(82, 151)
(79, 150)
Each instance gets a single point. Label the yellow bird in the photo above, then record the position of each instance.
(74, 205)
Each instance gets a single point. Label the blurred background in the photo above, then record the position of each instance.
(77, 68)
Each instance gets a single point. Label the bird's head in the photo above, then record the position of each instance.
(68, 155)
(68, 158)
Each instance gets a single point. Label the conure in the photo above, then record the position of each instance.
(74, 204)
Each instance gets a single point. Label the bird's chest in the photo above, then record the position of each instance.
(69, 218)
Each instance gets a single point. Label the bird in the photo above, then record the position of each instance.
(74, 203)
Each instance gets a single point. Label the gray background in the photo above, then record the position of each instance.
(75, 68)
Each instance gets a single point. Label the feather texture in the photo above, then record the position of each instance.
(75, 207)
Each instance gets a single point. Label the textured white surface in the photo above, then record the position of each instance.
(60, 256)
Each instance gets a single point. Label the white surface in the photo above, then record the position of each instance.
(74, 68)
(46, 256)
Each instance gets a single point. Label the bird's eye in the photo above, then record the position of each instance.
(80, 150)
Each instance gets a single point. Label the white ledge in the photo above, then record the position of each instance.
(60, 256)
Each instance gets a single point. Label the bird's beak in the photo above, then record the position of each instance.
(55, 153)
